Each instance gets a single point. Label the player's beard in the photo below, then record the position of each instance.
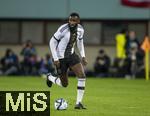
(73, 27)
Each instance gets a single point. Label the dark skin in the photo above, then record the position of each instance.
(78, 69)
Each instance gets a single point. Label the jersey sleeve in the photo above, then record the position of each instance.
(58, 34)
(54, 42)
(81, 32)
(80, 43)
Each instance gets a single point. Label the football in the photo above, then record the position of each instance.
(61, 104)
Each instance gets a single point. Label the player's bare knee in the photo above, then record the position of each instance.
(82, 75)
(65, 84)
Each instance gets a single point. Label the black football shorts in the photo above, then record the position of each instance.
(67, 62)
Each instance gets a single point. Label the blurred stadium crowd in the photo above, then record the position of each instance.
(31, 64)
(129, 60)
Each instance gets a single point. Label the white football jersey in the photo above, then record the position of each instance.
(61, 39)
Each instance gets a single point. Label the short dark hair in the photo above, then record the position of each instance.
(101, 51)
(74, 14)
(124, 30)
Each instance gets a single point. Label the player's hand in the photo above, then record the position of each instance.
(84, 61)
(57, 63)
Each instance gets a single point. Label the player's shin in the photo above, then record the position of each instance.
(80, 89)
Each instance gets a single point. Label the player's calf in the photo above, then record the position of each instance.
(64, 80)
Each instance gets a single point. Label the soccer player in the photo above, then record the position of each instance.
(62, 48)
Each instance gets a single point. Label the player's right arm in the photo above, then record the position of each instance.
(80, 46)
(53, 43)
(53, 46)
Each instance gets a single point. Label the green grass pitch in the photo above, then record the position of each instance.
(103, 97)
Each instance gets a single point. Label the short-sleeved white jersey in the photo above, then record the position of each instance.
(61, 38)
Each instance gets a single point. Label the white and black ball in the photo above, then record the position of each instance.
(61, 104)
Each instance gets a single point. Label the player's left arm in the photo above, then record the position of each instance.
(80, 46)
